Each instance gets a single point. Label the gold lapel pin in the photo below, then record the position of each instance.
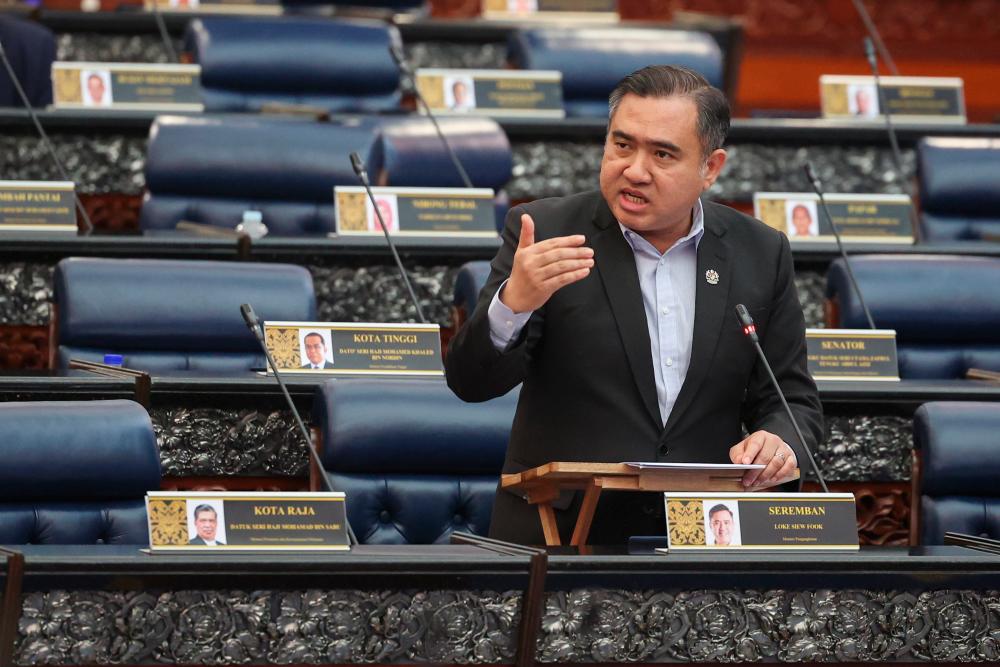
(712, 277)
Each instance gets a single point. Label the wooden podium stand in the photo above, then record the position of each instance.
(543, 484)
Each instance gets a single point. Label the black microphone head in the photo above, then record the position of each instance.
(250, 317)
(744, 315)
(813, 178)
(358, 165)
(870, 52)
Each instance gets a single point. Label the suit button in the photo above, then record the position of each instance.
(664, 450)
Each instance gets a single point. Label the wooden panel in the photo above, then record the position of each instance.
(24, 347)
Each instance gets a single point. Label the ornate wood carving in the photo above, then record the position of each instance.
(883, 510)
(24, 347)
(113, 212)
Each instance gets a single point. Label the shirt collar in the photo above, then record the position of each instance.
(696, 232)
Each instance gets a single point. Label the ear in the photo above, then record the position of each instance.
(713, 167)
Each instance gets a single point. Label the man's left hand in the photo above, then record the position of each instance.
(766, 449)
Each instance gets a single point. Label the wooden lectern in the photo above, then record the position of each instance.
(543, 484)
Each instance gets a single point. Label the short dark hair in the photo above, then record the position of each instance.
(669, 80)
(204, 508)
(317, 334)
(719, 508)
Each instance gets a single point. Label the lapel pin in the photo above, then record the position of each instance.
(712, 277)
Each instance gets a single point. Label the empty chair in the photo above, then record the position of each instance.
(945, 309)
(31, 49)
(76, 472)
(959, 197)
(173, 315)
(415, 461)
(468, 283)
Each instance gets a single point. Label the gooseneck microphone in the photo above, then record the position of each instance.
(874, 35)
(88, 226)
(161, 25)
(397, 54)
(359, 169)
(750, 330)
(883, 106)
(818, 188)
(250, 317)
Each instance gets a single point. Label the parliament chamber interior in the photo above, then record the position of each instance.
(254, 411)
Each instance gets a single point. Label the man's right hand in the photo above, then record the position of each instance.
(542, 268)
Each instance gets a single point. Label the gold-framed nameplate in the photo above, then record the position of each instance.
(761, 521)
(348, 348)
(860, 218)
(46, 206)
(852, 354)
(269, 7)
(131, 86)
(492, 92)
(909, 99)
(551, 10)
(450, 212)
(246, 521)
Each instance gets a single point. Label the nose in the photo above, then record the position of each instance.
(637, 171)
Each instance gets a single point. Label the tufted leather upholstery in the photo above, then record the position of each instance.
(416, 462)
(165, 315)
(945, 320)
(959, 469)
(76, 472)
(336, 65)
(31, 49)
(594, 59)
(959, 197)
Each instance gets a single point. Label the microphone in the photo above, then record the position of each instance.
(250, 317)
(359, 169)
(164, 35)
(396, 51)
(873, 35)
(750, 330)
(818, 187)
(88, 226)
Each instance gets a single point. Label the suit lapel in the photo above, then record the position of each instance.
(616, 266)
(710, 308)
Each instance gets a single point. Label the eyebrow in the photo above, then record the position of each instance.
(659, 143)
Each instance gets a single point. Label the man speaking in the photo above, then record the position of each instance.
(615, 309)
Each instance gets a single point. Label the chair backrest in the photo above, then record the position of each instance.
(341, 65)
(31, 49)
(76, 472)
(946, 318)
(210, 169)
(594, 59)
(468, 283)
(958, 490)
(959, 197)
(165, 315)
(416, 462)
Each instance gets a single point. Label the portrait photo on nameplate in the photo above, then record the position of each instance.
(126, 86)
(551, 10)
(492, 92)
(46, 206)
(908, 99)
(433, 212)
(355, 348)
(860, 218)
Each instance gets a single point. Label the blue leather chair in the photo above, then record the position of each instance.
(594, 59)
(468, 282)
(76, 472)
(31, 49)
(211, 169)
(415, 461)
(957, 486)
(341, 66)
(170, 315)
(959, 197)
(945, 309)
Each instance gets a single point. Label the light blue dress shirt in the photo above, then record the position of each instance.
(668, 284)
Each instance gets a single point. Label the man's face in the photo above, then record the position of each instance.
(95, 87)
(863, 100)
(385, 208)
(801, 220)
(721, 524)
(653, 168)
(458, 93)
(315, 350)
(206, 523)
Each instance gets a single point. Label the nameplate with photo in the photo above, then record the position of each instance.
(860, 218)
(246, 521)
(349, 348)
(46, 206)
(559, 10)
(908, 99)
(761, 521)
(267, 7)
(852, 354)
(131, 86)
(450, 212)
(492, 92)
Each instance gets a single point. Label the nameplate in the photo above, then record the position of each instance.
(492, 92)
(269, 7)
(46, 206)
(860, 218)
(451, 212)
(852, 354)
(246, 521)
(761, 521)
(558, 10)
(908, 99)
(347, 348)
(136, 86)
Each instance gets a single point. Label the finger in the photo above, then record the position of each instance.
(765, 445)
(561, 252)
(563, 279)
(784, 474)
(561, 242)
(527, 237)
(565, 266)
(774, 464)
(754, 443)
(736, 451)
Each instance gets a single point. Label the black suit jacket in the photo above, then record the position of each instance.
(198, 540)
(326, 364)
(584, 360)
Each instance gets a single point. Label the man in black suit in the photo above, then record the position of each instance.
(206, 525)
(315, 351)
(615, 309)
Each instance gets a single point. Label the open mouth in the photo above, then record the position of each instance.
(633, 198)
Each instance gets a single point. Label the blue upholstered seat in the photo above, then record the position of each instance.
(31, 49)
(959, 197)
(944, 309)
(594, 59)
(469, 281)
(76, 472)
(341, 66)
(416, 462)
(168, 315)
(958, 490)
